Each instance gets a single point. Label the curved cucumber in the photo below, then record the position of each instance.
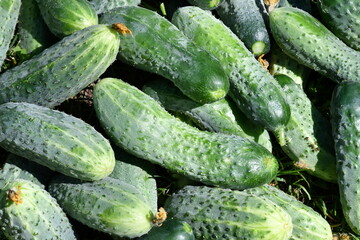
(206, 4)
(56, 140)
(253, 89)
(102, 6)
(216, 213)
(64, 17)
(343, 19)
(245, 19)
(138, 124)
(306, 138)
(304, 38)
(159, 47)
(220, 116)
(62, 70)
(345, 117)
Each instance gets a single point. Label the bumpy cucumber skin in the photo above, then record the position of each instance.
(159, 47)
(11, 171)
(307, 223)
(304, 38)
(108, 205)
(252, 88)
(102, 6)
(206, 4)
(342, 17)
(220, 116)
(62, 70)
(216, 213)
(345, 117)
(244, 18)
(307, 137)
(56, 140)
(38, 217)
(138, 124)
(64, 17)
(9, 13)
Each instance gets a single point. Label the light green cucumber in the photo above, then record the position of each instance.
(137, 123)
(216, 213)
(252, 88)
(306, 138)
(102, 6)
(56, 140)
(220, 116)
(206, 4)
(11, 171)
(158, 46)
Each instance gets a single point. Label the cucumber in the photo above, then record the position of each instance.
(345, 117)
(108, 205)
(343, 19)
(137, 123)
(206, 4)
(159, 47)
(64, 17)
(216, 213)
(36, 215)
(305, 39)
(302, 4)
(102, 6)
(306, 138)
(307, 223)
(220, 116)
(9, 13)
(253, 89)
(56, 140)
(62, 70)
(245, 19)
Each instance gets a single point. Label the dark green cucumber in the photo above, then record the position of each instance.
(138, 124)
(307, 223)
(304, 38)
(159, 47)
(216, 213)
(108, 205)
(220, 116)
(37, 216)
(306, 138)
(206, 4)
(9, 13)
(102, 6)
(253, 89)
(56, 140)
(62, 70)
(64, 17)
(342, 17)
(345, 118)
(245, 19)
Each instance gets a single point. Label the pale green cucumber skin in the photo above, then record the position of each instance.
(38, 217)
(342, 17)
(252, 88)
(220, 116)
(345, 117)
(137, 123)
(102, 6)
(216, 213)
(206, 4)
(64, 17)
(11, 171)
(307, 137)
(307, 223)
(108, 205)
(159, 47)
(62, 70)
(56, 140)
(9, 13)
(305, 39)
(244, 18)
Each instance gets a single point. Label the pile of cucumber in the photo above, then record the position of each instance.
(203, 93)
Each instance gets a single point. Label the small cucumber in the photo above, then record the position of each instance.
(305, 39)
(138, 124)
(206, 4)
(345, 117)
(102, 6)
(159, 47)
(56, 140)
